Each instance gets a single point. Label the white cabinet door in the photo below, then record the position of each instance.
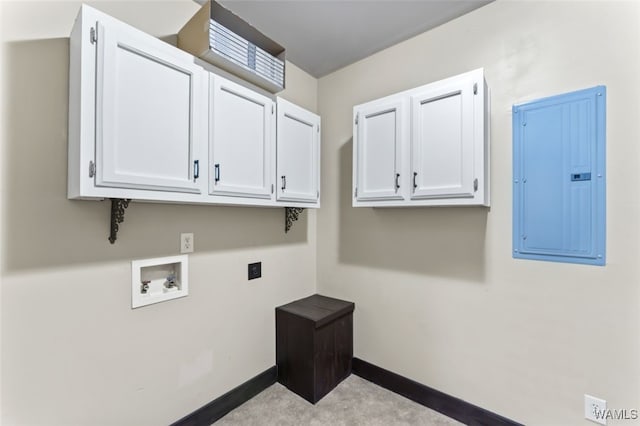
(298, 153)
(442, 137)
(380, 135)
(148, 99)
(241, 130)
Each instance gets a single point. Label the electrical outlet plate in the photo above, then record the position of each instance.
(595, 409)
(186, 243)
(255, 270)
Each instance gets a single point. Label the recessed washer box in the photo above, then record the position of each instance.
(159, 279)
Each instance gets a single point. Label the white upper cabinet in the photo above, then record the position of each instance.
(298, 154)
(242, 131)
(148, 123)
(441, 160)
(380, 138)
(147, 101)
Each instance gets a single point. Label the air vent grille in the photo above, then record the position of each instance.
(235, 48)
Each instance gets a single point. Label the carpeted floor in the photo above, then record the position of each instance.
(353, 402)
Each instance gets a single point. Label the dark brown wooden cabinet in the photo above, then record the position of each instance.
(314, 345)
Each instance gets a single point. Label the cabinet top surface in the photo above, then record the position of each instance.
(319, 309)
(394, 97)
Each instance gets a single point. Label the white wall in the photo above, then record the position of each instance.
(73, 351)
(438, 297)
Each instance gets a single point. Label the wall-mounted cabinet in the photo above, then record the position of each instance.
(242, 131)
(298, 163)
(428, 146)
(147, 123)
(137, 113)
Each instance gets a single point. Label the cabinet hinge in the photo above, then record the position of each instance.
(272, 109)
(475, 185)
(93, 36)
(92, 169)
(475, 88)
(317, 194)
(272, 188)
(356, 192)
(318, 128)
(357, 115)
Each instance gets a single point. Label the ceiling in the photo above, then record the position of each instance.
(321, 36)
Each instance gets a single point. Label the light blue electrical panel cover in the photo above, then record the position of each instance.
(559, 182)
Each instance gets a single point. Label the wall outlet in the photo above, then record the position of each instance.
(255, 270)
(595, 409)
(186, 243)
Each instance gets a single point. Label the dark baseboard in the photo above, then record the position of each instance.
(450, 406)
(219, 407)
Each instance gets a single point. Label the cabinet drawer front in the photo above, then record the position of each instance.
(379, 140)
(240, 141)
(442, 141)
(147, 99)
(298, 151)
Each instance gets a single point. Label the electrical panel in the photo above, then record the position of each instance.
(559, 178)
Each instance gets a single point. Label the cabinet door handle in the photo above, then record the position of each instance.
(196, 169)
(415, 185)
(397, 181)
(284, 182)
(216, 173)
